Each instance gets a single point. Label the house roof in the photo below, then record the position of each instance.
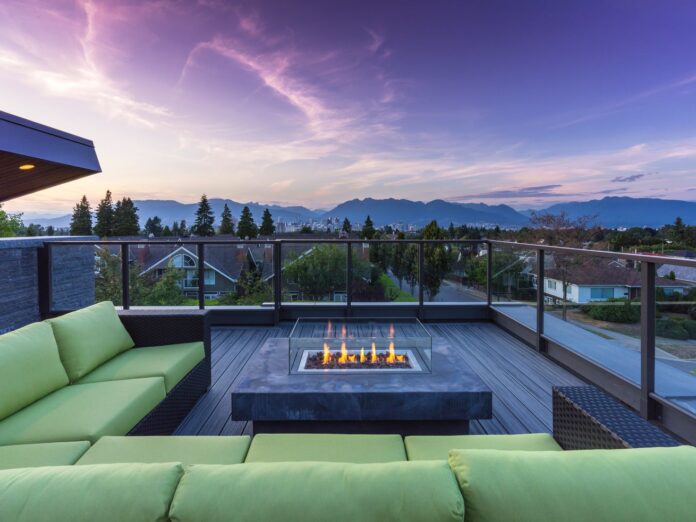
(681, 273)
(603, 273)
(56, 156)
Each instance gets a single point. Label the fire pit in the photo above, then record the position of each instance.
(359, 345)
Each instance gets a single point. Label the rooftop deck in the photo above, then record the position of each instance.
(520, 378)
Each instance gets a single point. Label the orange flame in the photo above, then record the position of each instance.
(362, 355)
(373, 359)
(327, 354)
(343, 359)
(391, 358)
(352, 358)
(401, 358)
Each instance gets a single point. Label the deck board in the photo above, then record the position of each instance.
(520, 378)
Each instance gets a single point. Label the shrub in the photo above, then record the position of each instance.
(690, 326)
(671, 329)
(614, 311)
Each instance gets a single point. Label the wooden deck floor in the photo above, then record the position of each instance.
(520, 378)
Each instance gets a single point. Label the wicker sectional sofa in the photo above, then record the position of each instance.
(96, 372)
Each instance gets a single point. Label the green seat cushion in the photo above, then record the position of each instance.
(84, 412)
(644, 484)
(437, 447)
(358, 449)
(172, 362)
(46, 454)
(89, 337)
(319, 491)
(188, 450)
(109, 493)
(30, 367)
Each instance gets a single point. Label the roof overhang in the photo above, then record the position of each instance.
(58, 157)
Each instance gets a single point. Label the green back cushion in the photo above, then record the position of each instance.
(90, 337)
(30, 367)
(599, 485)
(313, 491)
(435, 447)
(110, 492)
(46, 454)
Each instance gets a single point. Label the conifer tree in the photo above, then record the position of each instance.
(267, 226)
(368, 230)
(105, 217)
(246, 226)
(167, 232)
(175, 229)
(81, 222)
(203, 225)
(226, 224)
(183, 229)
(153, 226)
(347, 227)
(126, 222)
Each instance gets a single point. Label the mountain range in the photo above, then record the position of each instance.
(609, 212)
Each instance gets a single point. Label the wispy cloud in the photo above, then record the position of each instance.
(627, 179)
(540, 191)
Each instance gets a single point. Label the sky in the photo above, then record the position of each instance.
(316, 102)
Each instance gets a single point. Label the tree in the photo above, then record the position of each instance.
(399, 265)
(203, 225)
(267, 226)
(126, 221)
(451, 231)
(10, 224)
(167, 232)
(34, 230)
(81, 221)
(183, 229)
(438, 260)
(50, 231)
(368, 229)
(246, 227)
(347, 227)
(153, 226)
(105, 217)
(175, 229)
(306, 229)
(317, 273)
(226, 223)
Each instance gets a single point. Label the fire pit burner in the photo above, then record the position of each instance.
(359, 346)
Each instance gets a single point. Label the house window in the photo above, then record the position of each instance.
(209, 277)
(601, 293)
(183, 261)
(551, 284)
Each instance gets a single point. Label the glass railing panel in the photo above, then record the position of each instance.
(385, 272)
(313, 272)
(162, 274)
(239, 274)
(513, 282)
(592, 306)
(454, 273)
(84, 274)
(675, 342)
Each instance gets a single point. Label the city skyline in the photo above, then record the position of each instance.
(312, 104)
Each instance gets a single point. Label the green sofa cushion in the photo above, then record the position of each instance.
(437, 447)
(84, 412)
(172, 362)
(188, 450)
(358, 449)
(30, 367)
(46, 454)
(319, 491)
(89, 337)
(108, 493)
(645, 484)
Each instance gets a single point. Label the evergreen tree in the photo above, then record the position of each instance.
(226, 223)
(368, 230)
(203, 225)
(347, 227)
(246, 226)
(438, 260)
(167, 232)
(126, 222)
(175, 229)
(267, 226)
(153, 226)
(183, 229)
(105, 217)
(452, 231)
(50, 231)
(81, 222)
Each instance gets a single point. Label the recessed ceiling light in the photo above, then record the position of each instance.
(26, 166)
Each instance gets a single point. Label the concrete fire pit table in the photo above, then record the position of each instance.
(440, 402)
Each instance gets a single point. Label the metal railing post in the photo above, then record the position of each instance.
(540, 344)
(489, 273)
(125, 276)
(421, 269)
(45, 280)
(200, 252)
(647, 339)
(277, 282)
(349, 278)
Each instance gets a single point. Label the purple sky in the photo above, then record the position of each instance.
(312, 103)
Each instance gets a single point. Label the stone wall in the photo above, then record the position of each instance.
(72, 273)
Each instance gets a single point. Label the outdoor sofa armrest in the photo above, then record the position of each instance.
(159, 327)
(584, 417)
